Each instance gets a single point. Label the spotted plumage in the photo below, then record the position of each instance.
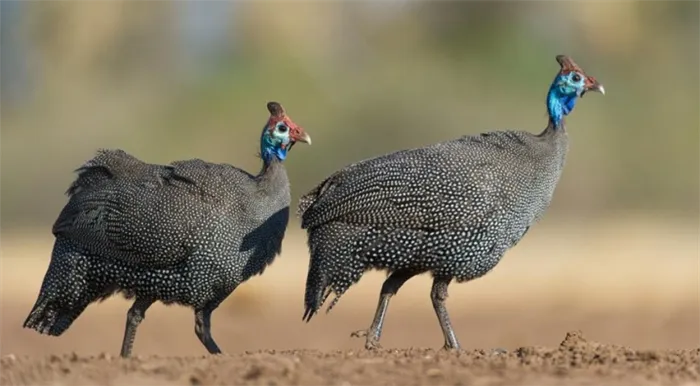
(452, 208)
(185, 233)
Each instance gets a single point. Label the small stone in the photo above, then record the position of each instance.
(433, 372)
(499, 351)
(9, 358)
(194, 380)
(253, 373)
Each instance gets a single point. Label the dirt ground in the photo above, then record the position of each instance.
(624, 309)
(575, 361)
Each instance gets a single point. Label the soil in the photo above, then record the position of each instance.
(520, 325)
(576, 361)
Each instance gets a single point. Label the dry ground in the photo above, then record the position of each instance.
(628, 284)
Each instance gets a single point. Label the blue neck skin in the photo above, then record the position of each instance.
(559, 104)
(270, 150)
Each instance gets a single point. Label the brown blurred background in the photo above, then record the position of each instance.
(615, 256)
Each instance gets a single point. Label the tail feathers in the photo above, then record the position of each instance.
(48, 317)
(64, 292)
(317, 291)
(333, 267)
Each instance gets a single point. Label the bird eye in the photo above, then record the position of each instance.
(576, 77)
(282, 128)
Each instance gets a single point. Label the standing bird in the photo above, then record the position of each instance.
(452, 208)
(186, 233)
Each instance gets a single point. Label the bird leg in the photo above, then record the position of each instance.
(438, 294)
(389, 288)
(202, 327)
(134, 317)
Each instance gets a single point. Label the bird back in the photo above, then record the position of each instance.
(448, 184)
(149, 214)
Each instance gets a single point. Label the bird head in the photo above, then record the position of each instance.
(280, 134)
(570, 83)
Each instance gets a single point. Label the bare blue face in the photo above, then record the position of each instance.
(571, 84)
(564, 93)
(275, 140)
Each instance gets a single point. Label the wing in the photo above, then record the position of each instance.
(156, 216)
(427, 188)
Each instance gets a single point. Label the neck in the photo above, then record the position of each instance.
(272, 157)
(270, 163)
(558, 107)
(272, 178)
(272, 175)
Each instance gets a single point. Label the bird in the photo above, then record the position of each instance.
(451, 209)
(188, 233)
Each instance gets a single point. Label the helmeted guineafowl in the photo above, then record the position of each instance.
(185, 233)
(452, 208)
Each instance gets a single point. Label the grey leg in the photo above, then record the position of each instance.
(202, 327)
(438, 294)
(134, 317)
(389, 288)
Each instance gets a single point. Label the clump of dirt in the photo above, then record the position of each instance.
(576, 361)
(576, 355)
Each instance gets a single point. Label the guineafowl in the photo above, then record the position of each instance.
(451, 209)
(186, 233)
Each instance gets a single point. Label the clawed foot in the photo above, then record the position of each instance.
(371, 342)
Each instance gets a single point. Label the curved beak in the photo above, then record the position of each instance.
(304, 137)
(593, 85)
(598, 87)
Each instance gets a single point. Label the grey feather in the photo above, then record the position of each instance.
(452, 208)
(184, 233)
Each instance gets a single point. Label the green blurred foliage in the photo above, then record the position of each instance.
(364, 79)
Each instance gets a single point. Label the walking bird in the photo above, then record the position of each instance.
(186, 233)
(451, 208)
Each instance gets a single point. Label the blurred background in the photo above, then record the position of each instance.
(616, 255)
